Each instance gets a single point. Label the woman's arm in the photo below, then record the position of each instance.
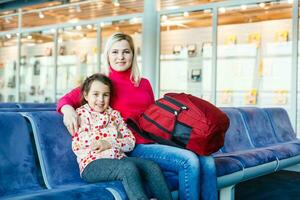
(70, 118)
(67, 105)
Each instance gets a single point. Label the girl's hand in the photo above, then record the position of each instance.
(100, 145)
(71, 119)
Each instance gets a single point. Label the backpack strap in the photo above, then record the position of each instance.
(175, 102)
(173, 142)
(133, 124)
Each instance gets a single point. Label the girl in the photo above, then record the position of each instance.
(101, 140)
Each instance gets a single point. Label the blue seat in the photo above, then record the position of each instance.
(37, 105)
(263, 135)
(20, 175)
(8, 105)
(281, 124)
(259, 125)
(289, 152)
(239, 146)
(237, 136)
(58, 162)
(26, 109)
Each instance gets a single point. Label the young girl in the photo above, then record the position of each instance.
(102, 139)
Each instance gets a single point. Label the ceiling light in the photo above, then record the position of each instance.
(186, 14)
(207, 11)
(78, 9)
(7, 20)
(222, 10)
(116, 3)
(164, 17)
(261, 5)
(73, 21)
(290, 1)
(243, 7)
(41, 15)
(78, 28)
(8, 36)
(89, 26)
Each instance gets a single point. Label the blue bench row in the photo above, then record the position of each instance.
(37, 160)
(258, 142)
(24, 175)
(26, 105)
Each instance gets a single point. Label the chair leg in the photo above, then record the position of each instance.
(227, 193)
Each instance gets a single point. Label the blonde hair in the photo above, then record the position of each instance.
(135, 75)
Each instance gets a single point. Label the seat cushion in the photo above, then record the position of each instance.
(251, 158)
(236, 137)
(227, 165)
(281, 124)
(92, 191)
(19, 171)
(259, 127)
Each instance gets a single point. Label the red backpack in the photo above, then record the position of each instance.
(185, 121)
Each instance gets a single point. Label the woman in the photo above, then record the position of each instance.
(132, 96)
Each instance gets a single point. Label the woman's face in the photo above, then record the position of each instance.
(120, 56)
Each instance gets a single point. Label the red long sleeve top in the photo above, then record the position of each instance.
(129, 100)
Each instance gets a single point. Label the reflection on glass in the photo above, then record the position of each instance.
(298, 103)
(8, 65)
(178, 4)
(254, 55)
(78, 11)
(9, 21)
(37, 67)
(77, 56)
(185, 63)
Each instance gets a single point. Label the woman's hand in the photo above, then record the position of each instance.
(71, 119)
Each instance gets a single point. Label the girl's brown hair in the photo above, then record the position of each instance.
(86, 86)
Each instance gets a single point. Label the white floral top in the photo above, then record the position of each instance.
(96, 126)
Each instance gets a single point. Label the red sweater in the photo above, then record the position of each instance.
(129, 100)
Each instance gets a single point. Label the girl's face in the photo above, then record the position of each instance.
(120, 56)
(98, 97)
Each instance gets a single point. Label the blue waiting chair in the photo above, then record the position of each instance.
(20, 174)
(58, 162)
(8, 105)
(37, 105)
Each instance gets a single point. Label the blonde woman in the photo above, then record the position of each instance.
(132, 96)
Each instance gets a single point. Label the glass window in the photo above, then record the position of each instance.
(77, 56)
(37, 67)
(185, 62)
(79, 11)
(254, 55)
(8, 67)
(174, 4)
(8, 21)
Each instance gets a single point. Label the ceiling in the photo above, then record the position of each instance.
(64, 11)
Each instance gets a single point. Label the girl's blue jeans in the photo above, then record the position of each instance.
(196, 175)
